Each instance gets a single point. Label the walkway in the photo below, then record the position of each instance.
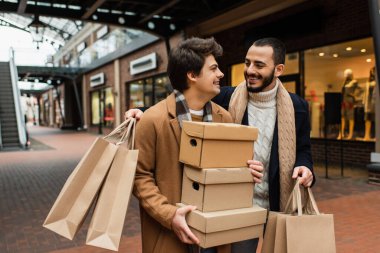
(31, 180)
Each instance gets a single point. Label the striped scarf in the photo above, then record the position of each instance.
(183, 112)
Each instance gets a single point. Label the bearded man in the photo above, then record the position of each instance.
(283, 145)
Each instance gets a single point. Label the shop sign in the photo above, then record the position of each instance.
(98, 79)
(143, 64)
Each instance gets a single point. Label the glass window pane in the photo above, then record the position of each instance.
(136, 91)
(344, 69)
(291, 64)
(95, 108)
(290, 86)
(109, 108)
(148, 92)
(162, 88)
(237, 74)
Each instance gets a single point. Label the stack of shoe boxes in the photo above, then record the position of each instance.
(218, 182)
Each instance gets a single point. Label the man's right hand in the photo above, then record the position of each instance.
(133, 113)
(257, 169)
(180, 227)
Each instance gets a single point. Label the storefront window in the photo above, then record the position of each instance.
(109, 116)
(149, 91)
(95, 110)
(162, 89)
(339, 85)
(237, 74)
(102, 107)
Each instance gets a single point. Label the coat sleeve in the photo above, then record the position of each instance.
(145, 187)
(303, 149)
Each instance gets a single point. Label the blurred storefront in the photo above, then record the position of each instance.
(330, 62)
(132, 73)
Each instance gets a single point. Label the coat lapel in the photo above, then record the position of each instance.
(174, 124)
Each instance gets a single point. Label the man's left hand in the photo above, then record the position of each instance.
(304, 174)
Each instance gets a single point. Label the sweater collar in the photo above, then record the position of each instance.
(264, 98)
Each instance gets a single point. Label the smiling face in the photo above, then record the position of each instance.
(207, 83)
(260, 71)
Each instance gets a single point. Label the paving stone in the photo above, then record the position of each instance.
(31, 180)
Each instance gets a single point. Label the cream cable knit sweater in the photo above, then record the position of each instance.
(262, 114)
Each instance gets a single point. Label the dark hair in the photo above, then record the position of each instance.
(189, 56)
(279, 49)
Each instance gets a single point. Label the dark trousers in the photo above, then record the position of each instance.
(197, 249)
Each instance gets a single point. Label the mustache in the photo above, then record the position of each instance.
(253, 76)
(258, 76)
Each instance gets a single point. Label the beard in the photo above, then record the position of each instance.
(267, 80)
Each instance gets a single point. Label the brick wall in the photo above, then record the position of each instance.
(355, 153)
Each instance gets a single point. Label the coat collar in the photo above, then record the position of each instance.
(217, 115)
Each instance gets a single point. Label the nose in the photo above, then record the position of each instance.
(220, 74)
(250, 69)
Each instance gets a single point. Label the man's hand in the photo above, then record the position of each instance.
(180, 227)
(133, 113)
(305, 175)
(257, 169)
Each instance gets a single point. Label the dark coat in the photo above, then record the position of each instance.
(303, 146)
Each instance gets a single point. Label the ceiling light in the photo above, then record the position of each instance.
(368, 60)
(348, 48)
(151, 25)
(37, 28)
(335, 55)
(121, 20)
(363, 50)
(321, 54)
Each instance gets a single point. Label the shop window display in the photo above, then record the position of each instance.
(346, 69)
(102, 107)
(149, 91)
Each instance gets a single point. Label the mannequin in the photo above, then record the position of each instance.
(369, 104)
(349, 88)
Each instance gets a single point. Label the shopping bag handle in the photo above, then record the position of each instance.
(129, 135)
(124, 133)
(119, 130)
(295, 201)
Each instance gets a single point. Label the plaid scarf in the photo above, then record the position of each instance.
(183, 112)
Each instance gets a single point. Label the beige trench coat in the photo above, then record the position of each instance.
(158, 180)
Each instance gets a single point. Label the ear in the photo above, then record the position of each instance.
(191, 76)
(279, 69)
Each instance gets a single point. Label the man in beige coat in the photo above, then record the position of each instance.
(195, 76)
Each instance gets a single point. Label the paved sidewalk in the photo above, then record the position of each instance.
(31, 180)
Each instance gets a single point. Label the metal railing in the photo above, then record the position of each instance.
(16, 96)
